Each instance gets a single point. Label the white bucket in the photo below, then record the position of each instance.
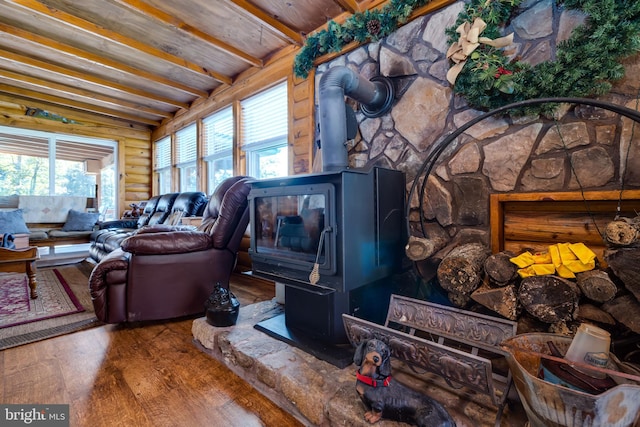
(591, 346)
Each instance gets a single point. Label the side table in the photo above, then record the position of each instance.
(21, 261)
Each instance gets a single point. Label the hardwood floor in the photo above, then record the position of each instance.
(147, 374)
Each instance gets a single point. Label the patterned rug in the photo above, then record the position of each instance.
(63, 305)
(55, 299)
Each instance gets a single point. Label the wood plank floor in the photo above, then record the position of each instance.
(147, 374)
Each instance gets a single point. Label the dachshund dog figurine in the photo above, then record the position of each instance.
(390, 399)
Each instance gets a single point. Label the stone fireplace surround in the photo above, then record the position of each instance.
(582, 146)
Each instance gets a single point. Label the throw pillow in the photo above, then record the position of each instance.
(13, 222)
(80, 221)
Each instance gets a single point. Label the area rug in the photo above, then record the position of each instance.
(55, 299)
(63, 305)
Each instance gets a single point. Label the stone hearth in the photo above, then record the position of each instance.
(317, 392)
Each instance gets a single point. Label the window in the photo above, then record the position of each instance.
(73, 177)
(35, 163)
(265, 121)
(186, 155)
(163, 164)
(217, 133)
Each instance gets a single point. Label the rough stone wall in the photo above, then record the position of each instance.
(580, 148)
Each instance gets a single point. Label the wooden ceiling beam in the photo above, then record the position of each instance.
(350, 6)
(64, 49)
(271, 22)
(33, 6)
(83, 106)
(430, 7)
(59, 87)
(166, 18)
(65, 72)
(127, 127)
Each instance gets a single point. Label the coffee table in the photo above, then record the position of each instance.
(21, 261)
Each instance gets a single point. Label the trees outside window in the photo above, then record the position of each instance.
(35, 163)
(217, 133)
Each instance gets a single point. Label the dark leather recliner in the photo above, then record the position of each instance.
(164, 272)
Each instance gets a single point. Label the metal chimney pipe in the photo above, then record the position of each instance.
(375, 95)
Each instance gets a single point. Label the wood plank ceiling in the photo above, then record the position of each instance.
(141, 61)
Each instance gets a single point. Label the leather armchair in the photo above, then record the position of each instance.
(164, 272)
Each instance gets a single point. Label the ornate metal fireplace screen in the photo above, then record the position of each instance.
(445, 341)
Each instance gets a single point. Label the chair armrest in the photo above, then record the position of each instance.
(163, 228)
(115, 261)
(163, 242)
(109, 274)
(119, 223)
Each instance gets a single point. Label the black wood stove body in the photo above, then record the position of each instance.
(331, 238)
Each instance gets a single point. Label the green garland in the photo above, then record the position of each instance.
(585, 64)
(367, 26)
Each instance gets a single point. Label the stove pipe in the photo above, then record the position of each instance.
(375, 95)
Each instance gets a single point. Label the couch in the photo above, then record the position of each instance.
(48, 221)
(163, 272)
(162, 209)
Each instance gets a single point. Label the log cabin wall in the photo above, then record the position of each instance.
(585, 148)
(301, 118)
(134, 150)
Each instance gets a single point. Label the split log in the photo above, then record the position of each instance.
(529, 324)
(458, 300)
(499, 269)
(561, 328)
(626, 310)
(592, 313)
(427, 268)
(625, 264)
(596, 285)
(623, 231)
(549, 298)
(460, 272)
(503, 300)
(420, 248)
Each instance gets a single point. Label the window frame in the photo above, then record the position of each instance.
(252, 149)
(244, 157)
(163, 171)
(187, 160)
(226, 153)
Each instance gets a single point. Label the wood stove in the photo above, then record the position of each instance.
(346, 226)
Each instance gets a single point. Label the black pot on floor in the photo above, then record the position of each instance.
(222, 307)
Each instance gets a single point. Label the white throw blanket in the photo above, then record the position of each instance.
(50, 209)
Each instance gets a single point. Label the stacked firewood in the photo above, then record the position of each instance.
(609, 296)
(623, 260)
